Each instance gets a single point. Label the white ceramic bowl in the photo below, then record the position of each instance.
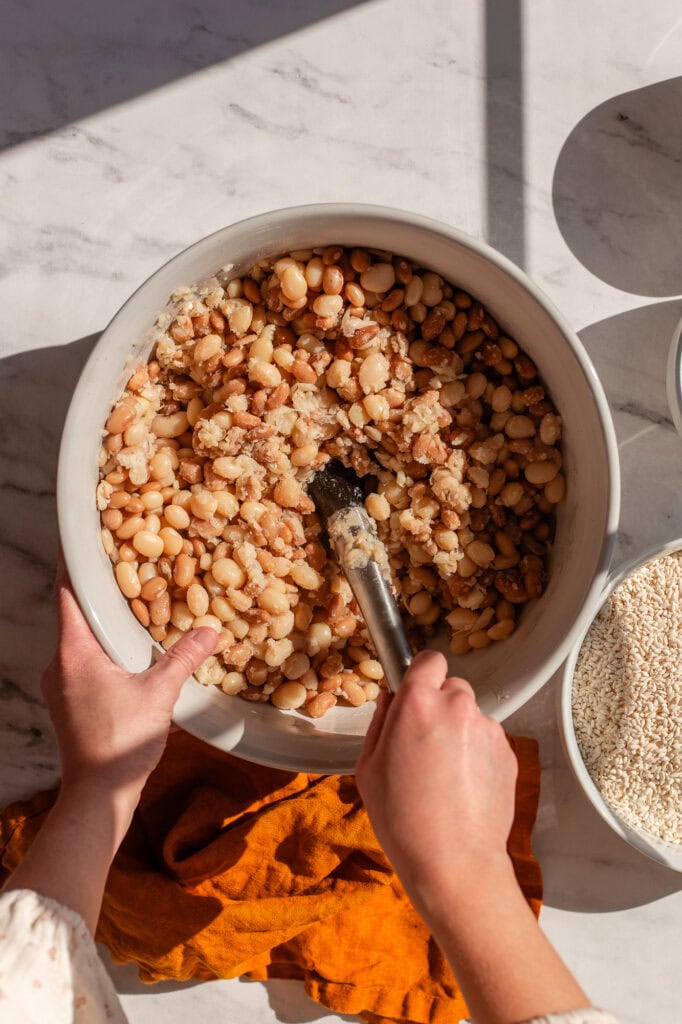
(505, 674)
(664, 852)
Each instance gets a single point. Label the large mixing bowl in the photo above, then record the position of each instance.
(505, 674)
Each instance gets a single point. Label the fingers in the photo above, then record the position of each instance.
(75, 634)
(62, 575)
(375, 727)
(182, 659)
(428, 668)
(454, 684)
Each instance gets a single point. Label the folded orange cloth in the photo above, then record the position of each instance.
(234, 869)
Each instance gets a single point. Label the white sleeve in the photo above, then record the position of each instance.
(49, 966)
(590, 1015)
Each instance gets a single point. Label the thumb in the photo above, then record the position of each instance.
(182, 659)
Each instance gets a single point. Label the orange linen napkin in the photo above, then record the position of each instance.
(234, 869)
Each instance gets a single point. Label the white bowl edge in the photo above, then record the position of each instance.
(673, 378)
(667, 853)
(189, 705)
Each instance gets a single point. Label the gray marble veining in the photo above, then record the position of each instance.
(551, 129)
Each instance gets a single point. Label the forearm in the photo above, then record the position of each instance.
(71, 855)
(506, 967)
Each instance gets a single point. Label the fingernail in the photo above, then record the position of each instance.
(206, 638)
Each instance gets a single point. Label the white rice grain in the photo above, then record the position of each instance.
(627, 699)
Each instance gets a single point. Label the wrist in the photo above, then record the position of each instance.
(97, 806)
(469, 887)
(92, 787)
(70, 857)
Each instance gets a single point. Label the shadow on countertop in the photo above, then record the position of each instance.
(63, 62)
(287, 999)
(127, 982)
(504, 128)
(35, 391)
(630, 354)
(632, 348)
(586, 867)
(617, 190)
(291, 1004)
(591, 870)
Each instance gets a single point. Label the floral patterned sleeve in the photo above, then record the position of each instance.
(50, 969)
(49, 966)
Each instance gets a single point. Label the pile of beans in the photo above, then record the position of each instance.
(253, 385)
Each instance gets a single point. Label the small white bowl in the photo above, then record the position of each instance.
(673, 378)
(506, 674)
(660, 850)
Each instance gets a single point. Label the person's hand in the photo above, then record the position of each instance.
(438, 778)
(112, 725)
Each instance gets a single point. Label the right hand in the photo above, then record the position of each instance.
(438, 778)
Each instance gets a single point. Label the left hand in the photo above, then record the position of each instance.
(112, 725)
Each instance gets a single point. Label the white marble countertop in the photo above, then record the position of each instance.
(550, 129)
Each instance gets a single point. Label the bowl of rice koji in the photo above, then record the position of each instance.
(620, 705)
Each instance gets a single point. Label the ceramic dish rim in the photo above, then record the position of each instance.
(673, 378)
(284, 217)
(660, 850)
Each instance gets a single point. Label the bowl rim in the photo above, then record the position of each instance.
(660, 850)
(283, 217)
(673, 377)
